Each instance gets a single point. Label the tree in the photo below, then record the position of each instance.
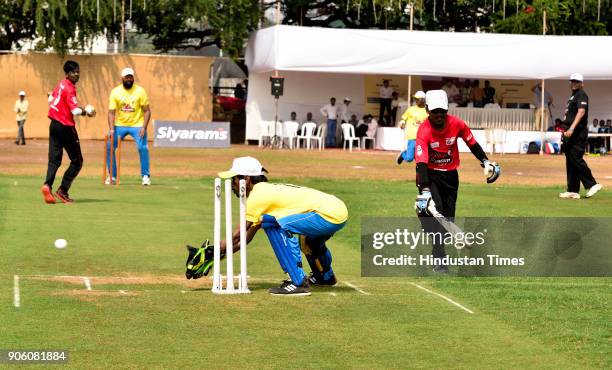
(73, 24)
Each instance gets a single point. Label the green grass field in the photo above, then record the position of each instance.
(144, 314)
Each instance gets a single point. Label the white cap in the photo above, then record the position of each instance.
(22, 93)
(436, 99)
(347, 98)
(419, 95)
(576, 77)
(127, 71)
(244, 166)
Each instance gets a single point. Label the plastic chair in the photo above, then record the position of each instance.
(319, 138)
(308, 129)
(495, 138)
(366, 138)
(265, 130)
(291, 132)
(348, 131)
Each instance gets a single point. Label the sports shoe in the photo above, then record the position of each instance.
(108, 181)
(47, 194)
(440, 269)
(399, 159)
(146, 180)
(312, 279)
(288, 288)
(569, 195)
(63, 196)
(593, 190)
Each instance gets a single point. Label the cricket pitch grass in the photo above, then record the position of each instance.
(116, 296)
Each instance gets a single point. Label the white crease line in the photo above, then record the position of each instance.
(16, 297)
(444, 297)
(356, 288)
(87, 283)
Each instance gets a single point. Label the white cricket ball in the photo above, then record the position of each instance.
(89, 109)
(61, 243)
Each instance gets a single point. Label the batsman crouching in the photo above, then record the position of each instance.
(437, 158)
(295, 218)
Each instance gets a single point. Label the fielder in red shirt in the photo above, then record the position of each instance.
(437, 160)
(63, 106)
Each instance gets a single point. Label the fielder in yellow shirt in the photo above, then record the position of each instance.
(295, 219)
(129, 113)
(21, 108)
(410, 122)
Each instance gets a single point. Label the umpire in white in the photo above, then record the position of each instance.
(575, 137)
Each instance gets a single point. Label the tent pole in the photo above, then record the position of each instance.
(411, 7)
(542, 89)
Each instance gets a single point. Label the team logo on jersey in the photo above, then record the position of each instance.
(435, 144)
(450, 140)
(127, 108)
(419, 150)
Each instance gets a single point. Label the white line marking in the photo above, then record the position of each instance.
(444, 297)
(16, 297)
(332, 294)
(123, 292)
(348, 283)
(87, 283)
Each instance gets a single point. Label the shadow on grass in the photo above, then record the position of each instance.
(91, 200)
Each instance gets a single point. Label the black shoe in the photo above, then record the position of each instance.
(16, 142)
(440, 269)
(63, 196)
(288, 288)
(399, 159)
(314, 280)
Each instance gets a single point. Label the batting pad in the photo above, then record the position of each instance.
(290, 263)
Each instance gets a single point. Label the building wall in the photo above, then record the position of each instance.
(177, 87)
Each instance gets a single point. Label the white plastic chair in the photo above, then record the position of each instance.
(308, 129)
(366, 138)
(319, 138)
(280, 133)
(265, 130)
(348, 131)
(291, 132)
(496, 138)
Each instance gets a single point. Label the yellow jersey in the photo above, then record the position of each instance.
(413, 117)
(127, 105)
(281, 200)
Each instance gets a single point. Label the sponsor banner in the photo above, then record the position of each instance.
(179, 134)
(479, 246)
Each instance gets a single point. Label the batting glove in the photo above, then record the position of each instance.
(491, 171)
(424, 204)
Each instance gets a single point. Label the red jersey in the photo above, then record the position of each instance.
(64, 101)
(438, 149)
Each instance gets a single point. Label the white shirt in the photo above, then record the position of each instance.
(372, 126)
(385, 92)
(330, 111)
(592, 128)
(343, 112)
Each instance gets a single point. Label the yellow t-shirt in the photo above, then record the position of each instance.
(22, 107)
(127, 105)
(413, 117)
(281, 200)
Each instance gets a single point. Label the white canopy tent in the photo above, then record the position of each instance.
(293, 51)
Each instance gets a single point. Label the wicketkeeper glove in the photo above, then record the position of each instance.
(199, 261)
(491, 171)
(425, 205)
